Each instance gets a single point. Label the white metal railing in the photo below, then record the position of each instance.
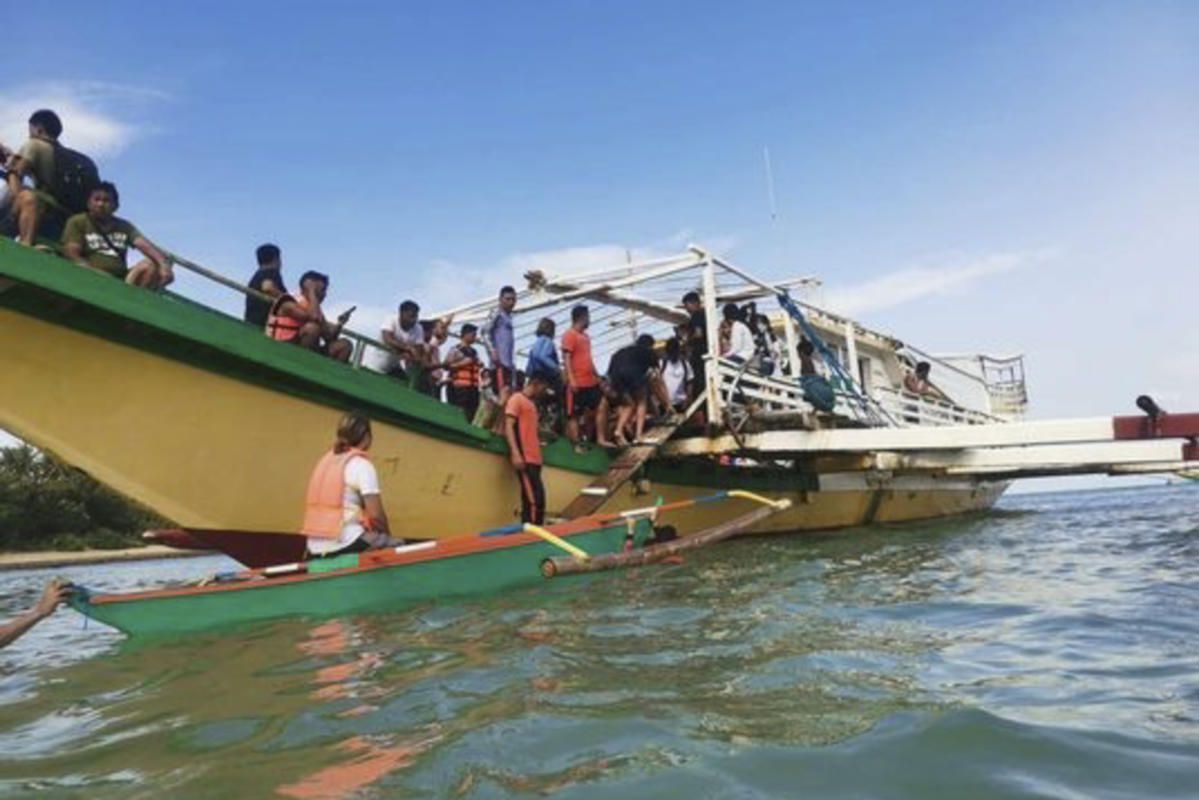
(915, 409)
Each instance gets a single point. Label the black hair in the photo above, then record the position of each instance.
(923, 366)
(646, 341)
(805, 347)
(672, 350)
(507, 290)
(578, 312)
(267, 254)
(691, 297)
(731, 311)
(48, 120)
(108, 186)
(545, 327)
(313, 275)
(539, 375)
(468, 327)
(409, 305)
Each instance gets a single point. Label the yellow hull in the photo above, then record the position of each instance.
(209, 450)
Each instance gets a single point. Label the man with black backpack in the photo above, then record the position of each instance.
(63, 180)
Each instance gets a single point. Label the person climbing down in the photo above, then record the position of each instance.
(524, 448)
(816, 388)
(343, 512)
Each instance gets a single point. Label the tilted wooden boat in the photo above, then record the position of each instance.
(184, 409)
(482, 563)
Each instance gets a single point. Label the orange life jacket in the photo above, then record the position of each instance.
(280, 326)
(326, 488)
(466, 374)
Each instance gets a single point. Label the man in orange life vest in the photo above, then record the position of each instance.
(343, 512)
(298, 318)
(520, 428)
(464, 366)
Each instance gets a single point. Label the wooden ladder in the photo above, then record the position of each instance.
(596, 493)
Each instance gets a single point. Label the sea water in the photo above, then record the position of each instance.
(1046, 649)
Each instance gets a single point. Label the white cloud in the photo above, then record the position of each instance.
(98, 118)
(915, 283)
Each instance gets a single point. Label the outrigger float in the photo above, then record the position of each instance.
(207, 421)
(380, 580)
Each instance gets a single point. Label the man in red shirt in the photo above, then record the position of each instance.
(524, 448)
(582, 382)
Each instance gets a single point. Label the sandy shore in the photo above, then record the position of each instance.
(70, 557)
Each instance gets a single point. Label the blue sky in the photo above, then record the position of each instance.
(1006, 177)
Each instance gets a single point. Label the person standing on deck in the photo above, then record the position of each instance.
(501, 345)
(524, 448)
(582, 380)
(99, 240)
(697, 334)
(740, 340)
(343, 512)
(268, 279)
(463, 365)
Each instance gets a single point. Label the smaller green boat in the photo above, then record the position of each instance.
(488, 562)
(482, 563)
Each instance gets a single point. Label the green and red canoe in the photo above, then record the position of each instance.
(483, 563)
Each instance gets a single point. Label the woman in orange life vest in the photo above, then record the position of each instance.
(344, 511)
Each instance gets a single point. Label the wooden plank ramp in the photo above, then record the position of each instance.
(627, 462)
(568, 565)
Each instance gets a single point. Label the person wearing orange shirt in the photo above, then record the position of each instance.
(582, 382)
(524, 448)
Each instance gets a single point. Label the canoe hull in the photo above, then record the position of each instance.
(446, 569)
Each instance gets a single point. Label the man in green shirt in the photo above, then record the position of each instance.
(99, 240)
(35, 159)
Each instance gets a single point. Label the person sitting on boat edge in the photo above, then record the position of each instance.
(405, 339)
(297, 317)
(524, 448)
(55, 591)
(343, 510)
(99, 240)
(463, 365)
(917, 382)
(268, 279)
(816, 388)
(62, 179)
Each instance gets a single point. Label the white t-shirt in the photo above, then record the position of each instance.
(414, 335)
(741, 342)
(361, 479)
(676, 375)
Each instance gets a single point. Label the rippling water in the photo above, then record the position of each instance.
(1047, 649)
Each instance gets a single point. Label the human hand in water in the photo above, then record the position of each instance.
(56, 591)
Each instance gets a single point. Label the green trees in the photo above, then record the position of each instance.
(47, 505)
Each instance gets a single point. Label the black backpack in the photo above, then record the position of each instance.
(75, 175)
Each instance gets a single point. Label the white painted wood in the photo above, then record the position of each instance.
(948, 437)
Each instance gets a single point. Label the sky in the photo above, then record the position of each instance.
(1016, 177)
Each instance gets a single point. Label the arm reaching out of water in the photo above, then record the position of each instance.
(55, 592)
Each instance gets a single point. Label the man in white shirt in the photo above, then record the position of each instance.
(405, 339)
(740, 340)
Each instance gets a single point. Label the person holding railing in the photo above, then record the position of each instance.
(99, 240)
(267, 279)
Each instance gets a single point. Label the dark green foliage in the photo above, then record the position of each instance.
(47, 505)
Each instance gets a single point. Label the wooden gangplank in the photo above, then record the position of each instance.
(626, 463)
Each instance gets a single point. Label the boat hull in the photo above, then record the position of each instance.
(445, 569)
